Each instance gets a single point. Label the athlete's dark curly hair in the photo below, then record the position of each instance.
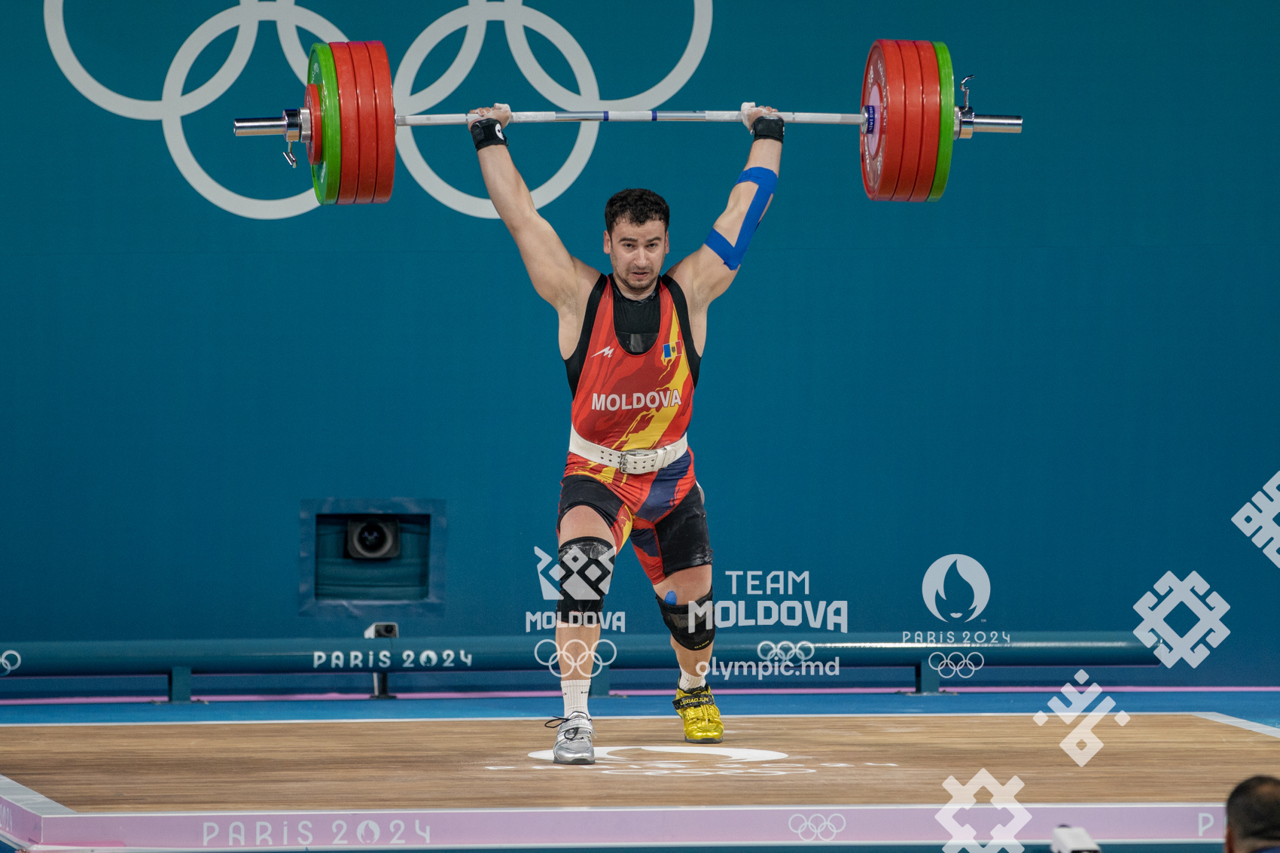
(637, 205)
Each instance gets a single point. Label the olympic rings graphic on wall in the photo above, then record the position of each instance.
(563, 661)
(956, 664)
(816, 827)
(9, 661)
(785, 651)
(288, 17)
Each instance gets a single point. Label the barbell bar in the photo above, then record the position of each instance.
(909, 121)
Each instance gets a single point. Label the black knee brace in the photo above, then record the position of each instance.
(693, 625)
(585, 569)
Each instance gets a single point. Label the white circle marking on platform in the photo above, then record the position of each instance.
(730, 753)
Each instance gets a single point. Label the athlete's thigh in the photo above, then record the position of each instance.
(590, 508)
(675, 543)
(683, 536)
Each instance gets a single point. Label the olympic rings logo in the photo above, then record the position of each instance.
(956, 664)
(9, 661)
(245, 17)
(785, 651)
(563, 661)
(816, 827)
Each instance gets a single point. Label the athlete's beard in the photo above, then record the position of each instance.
(630, 288)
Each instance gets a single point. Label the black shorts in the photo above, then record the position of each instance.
(676, 540)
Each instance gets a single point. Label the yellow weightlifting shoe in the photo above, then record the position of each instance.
(697, 707)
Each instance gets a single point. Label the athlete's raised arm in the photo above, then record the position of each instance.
(559, 278)
(710, 270)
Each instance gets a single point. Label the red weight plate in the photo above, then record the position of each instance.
(315, 148)
(368, 175)
(882, 88)
(386, 112)
(349, 117)
(872, 139)
(913, 116)
(932, 118)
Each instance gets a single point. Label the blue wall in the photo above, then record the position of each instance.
(1065, 369)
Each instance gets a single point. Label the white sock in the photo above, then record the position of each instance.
(689, 682)
(575, 695)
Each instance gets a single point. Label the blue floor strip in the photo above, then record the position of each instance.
(1261, 708)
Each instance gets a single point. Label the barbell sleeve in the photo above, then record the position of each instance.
(997, 124)
(275, 126)
(293, 125)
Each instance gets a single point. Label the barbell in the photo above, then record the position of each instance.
(909, 120)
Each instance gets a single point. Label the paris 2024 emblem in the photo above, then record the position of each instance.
(935, 597)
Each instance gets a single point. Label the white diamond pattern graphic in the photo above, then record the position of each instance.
(548, 578)
(963, 836)
(1258, 519)
(1170, 647)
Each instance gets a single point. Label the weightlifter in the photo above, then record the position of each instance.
(632, 341)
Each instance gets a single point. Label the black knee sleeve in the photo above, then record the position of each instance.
(585, 569)
(693, 625)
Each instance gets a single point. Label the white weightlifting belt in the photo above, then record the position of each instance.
(628, 461)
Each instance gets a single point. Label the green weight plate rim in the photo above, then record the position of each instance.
(326, 174)
(947, 83)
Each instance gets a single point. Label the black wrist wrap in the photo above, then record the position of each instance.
(768, 127)
(486, 132)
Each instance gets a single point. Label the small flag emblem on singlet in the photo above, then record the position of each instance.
(670, 350)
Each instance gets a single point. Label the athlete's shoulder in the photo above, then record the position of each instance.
(676, 291)
(589, 296)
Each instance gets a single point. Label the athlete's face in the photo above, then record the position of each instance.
(637, 253)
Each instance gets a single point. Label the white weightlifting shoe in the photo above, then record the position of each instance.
(574, 740)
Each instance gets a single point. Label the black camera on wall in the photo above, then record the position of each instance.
(387, 550)
(373, 537)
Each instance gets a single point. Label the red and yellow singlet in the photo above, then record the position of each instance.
(627, 401)
(634, 402)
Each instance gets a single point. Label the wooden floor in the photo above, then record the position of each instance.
(486, 763)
